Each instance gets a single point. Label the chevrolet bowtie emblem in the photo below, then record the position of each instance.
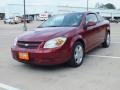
(26, 45)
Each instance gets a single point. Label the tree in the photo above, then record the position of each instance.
(105, 6)
(110, 6)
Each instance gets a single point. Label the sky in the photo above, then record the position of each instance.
(80, 3)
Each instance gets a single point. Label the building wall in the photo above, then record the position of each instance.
(17, 10)
(103, 12)
(2, 16)
(2, 13)
(2, 10)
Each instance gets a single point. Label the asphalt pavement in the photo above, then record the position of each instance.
(100, 70)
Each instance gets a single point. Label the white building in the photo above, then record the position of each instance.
(2, 13)
(104, 12)
(12, 10)
(35, 9)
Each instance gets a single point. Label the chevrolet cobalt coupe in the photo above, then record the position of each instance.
(61, 39)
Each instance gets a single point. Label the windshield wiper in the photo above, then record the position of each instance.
(57, 26)
(47, 26)
(52, 26)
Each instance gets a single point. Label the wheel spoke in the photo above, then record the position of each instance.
(108, 39)
(78, 55)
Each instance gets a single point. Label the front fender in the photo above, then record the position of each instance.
(76, 38)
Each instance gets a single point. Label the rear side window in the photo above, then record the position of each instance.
(91, 18)
(100, 18)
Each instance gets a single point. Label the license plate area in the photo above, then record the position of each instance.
(23, 56)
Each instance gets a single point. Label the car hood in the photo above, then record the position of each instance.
(44, 34)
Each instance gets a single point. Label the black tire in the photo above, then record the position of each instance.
(73, 62)
(106, 43)
(28, 21)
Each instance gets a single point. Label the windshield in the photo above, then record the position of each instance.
(66, 20)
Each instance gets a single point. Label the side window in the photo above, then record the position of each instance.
(100, 18)
(91, 18)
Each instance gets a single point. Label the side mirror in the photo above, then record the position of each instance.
(91, 24)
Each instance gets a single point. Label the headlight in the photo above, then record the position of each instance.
(15, 41)
(56, 42)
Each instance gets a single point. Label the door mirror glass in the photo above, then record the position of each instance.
(91, 24)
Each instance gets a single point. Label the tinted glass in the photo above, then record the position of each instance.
(91, 18)
(100, 18)
(63, 20)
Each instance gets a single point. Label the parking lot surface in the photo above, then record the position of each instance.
(100, 70)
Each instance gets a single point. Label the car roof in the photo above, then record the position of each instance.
(80, 12)
(83, 13)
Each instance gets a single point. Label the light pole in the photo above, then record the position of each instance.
(25, 26)
(87, 5)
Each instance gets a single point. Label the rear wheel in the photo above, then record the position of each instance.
(107, 41)
(77, 55)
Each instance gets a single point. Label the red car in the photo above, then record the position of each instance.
(62, 38)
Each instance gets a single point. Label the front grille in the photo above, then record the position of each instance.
(28, 45)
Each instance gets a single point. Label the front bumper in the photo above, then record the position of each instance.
(43, 56)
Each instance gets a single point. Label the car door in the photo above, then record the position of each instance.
(91, 32)
(101, 30)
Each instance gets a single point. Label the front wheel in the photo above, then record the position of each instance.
(77, 55)
(107, 41)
